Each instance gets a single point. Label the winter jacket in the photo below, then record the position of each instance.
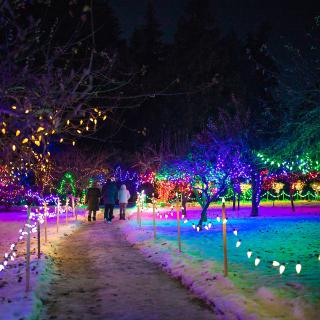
(93, 199)
(123, 194)
(109, 193)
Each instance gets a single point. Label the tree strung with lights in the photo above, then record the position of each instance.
(209, 167)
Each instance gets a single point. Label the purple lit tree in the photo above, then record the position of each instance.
(211, 165)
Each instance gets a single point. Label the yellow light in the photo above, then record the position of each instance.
(14, 147)
(95, 121)
(96, 110)
(40, 117)
(68, 122)
(37, 143)
(91, 119)
(73, 143)
(79, 131)
(87, 128)
(14, 107)
(25, 140)
(61, 140)
(81, 121)
(40, 129)
(3, 130)
(33, 138)
(4, 124)
(53, 131)
(104, 118)
(27, 111)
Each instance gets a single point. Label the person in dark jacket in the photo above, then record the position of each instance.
(109, 195)
(93, 199)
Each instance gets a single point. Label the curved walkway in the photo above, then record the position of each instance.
(101, 276)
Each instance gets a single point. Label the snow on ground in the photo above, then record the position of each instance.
(260, 292)
(15, 303)
(98, 275)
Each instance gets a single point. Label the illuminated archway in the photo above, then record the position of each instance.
(67, 179)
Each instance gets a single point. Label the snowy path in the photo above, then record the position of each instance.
(101, 276)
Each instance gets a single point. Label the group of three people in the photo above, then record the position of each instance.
(109, 195)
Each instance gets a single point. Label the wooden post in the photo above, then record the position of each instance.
(39, 235)
(154, 218)
(178, 223)
(45, 212)
(73, 208)
(58, 215)
(138, 209)
(28, 251)
(224, 229)
(67, 209)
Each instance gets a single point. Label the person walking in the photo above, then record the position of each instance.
(123, 197)
(109, 195)
(93, 199)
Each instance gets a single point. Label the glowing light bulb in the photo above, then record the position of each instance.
(14, 148)
(298, 267)
(61, 140)
(18, 133)
(275, 263)
(257, 261)
(185, 221)
(235, 232)
(223, 200)
(209, 225)
(206, 227)
(193, 226)
(198, 228)
(249, 254)
(218, 219)
(225, 221)
(73, 143)
(281, 269)
(238, 244)
(14, 107)
(25, 140)
(1, 267)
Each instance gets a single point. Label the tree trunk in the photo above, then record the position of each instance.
(234, 200)
(239, 201)
(291, 200)
(204, 214)
(256, 193)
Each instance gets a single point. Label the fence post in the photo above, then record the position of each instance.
(73, 207)
(224, 229)
(28, 251)
(154, 218)
(138, 208)
(58, 215)
(38, 233)
(178, 223)
(45, 212)
(67, 209)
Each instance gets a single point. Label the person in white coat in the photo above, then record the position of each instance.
(123, 197)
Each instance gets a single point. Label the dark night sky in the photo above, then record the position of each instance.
(287, 18)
